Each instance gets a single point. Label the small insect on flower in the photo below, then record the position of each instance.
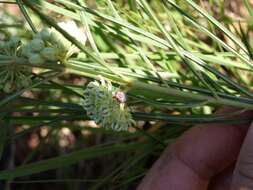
(120, 96)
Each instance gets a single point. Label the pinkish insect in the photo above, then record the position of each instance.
(120, 96)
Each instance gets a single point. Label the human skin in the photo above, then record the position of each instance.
(206, 157)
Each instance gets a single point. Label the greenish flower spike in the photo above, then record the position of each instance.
(105, 105)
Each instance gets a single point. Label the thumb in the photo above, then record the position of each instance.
(243, 173)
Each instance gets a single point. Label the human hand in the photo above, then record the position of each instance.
(206, 157)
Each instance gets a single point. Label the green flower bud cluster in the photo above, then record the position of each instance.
(104, 108)
(46, 45)
(13, 75)
(12, 47)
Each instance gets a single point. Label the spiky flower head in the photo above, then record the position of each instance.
(10, 47)
(13, 75)
(105, 105)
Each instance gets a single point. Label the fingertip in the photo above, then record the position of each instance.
(243, 174)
